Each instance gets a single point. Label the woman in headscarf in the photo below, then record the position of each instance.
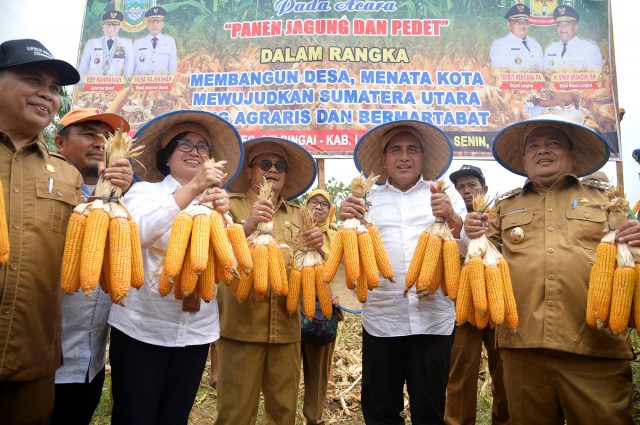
(319, 334)
(159, 344)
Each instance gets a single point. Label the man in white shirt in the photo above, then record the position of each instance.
(156, 52)
(571, 53)
(405, 338)
(109, 54)
(516, 51)
(84, 320)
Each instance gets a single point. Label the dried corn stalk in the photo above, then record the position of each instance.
(269, 269)
(436, 260)
(612, 281)
(102, 243)
(359, 245)
(485, 290)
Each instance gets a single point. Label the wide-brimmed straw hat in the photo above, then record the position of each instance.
(223, 138)
(590, 149)
(300, 174)
(438, 149)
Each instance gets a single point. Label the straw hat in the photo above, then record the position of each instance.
(590, 149)
(156, 134)
(438, 150)
(302, 166)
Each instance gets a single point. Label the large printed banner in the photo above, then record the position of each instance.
(323, 72)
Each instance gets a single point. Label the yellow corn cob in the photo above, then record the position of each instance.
(240, 246)
(624, 279)
(323, 292)
(104, 273)
(4, 230)
(164, 286)
(207, 279)
(426, 278)
(244, 286)
(472, 313)
(137, 266)
(335, 256)
(177, 245)
(636, 299)
(601, 283)
(177, 288)
(293, 296)
(119, 258)
(234, 284)
(416, 261)
(284, 290)
(495, 293)
(70, 273)
(362, 290)
(464, 304)
(188, 276)
(510, 309)
(118, 102)
(368, 260)
(451, 258)
(275, 274)
(351, 257)
(382, 259)
(93, 243)
(260, 259)
(478, 285)
(482, 319)
(308, 292)
(350, 284)
(200, 242)
(258, 296)
(439, 278)
(221, 243)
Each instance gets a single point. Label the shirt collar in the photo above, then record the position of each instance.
(567, 180)
(170, 184)
(419, 184)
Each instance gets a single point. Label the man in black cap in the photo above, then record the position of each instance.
(40, 191)
(109, 54)
(155, 53)
(516, 51)
(460, 408)
(571, 53)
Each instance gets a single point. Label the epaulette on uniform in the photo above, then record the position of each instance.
(597, 184)
(509, 194)
(292, 204)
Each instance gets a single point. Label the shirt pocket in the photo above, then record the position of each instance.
(53, 208)
(585, 225)
(290, 238)
(512, 225)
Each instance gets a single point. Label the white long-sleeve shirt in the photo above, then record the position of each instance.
(147, 316)
(401, 217)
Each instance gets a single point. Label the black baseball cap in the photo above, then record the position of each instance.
(467, 170)
(26, 51)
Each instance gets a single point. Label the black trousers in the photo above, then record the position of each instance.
(422, 361)
(153, 384)
(74, 404)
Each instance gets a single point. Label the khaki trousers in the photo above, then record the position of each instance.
(462, 389)
(27, 402)
(246, 368)
(547, 387)
(316, 366)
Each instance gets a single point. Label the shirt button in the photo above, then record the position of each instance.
(514, 221)
(6, 310)
(16, 189)
(587, 215)
(549, 209)
(16, 226)
(13, 266)
(549, 303)
(550, 250)
(59, 193)
(550, 277)
(550, 228)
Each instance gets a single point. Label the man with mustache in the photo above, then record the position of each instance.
(85, 330)
(516, 51)
(467, 345)
(556, 367)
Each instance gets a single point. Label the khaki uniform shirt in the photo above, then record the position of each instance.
(550, 268)
(40, 191)
(266, 320)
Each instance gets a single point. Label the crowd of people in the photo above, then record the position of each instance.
(556, 368)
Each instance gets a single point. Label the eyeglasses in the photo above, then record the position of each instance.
(314, 203)
(265, 165)
(186, 147)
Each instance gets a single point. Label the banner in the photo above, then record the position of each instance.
(323, 72)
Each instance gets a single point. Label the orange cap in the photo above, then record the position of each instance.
(76, 116)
